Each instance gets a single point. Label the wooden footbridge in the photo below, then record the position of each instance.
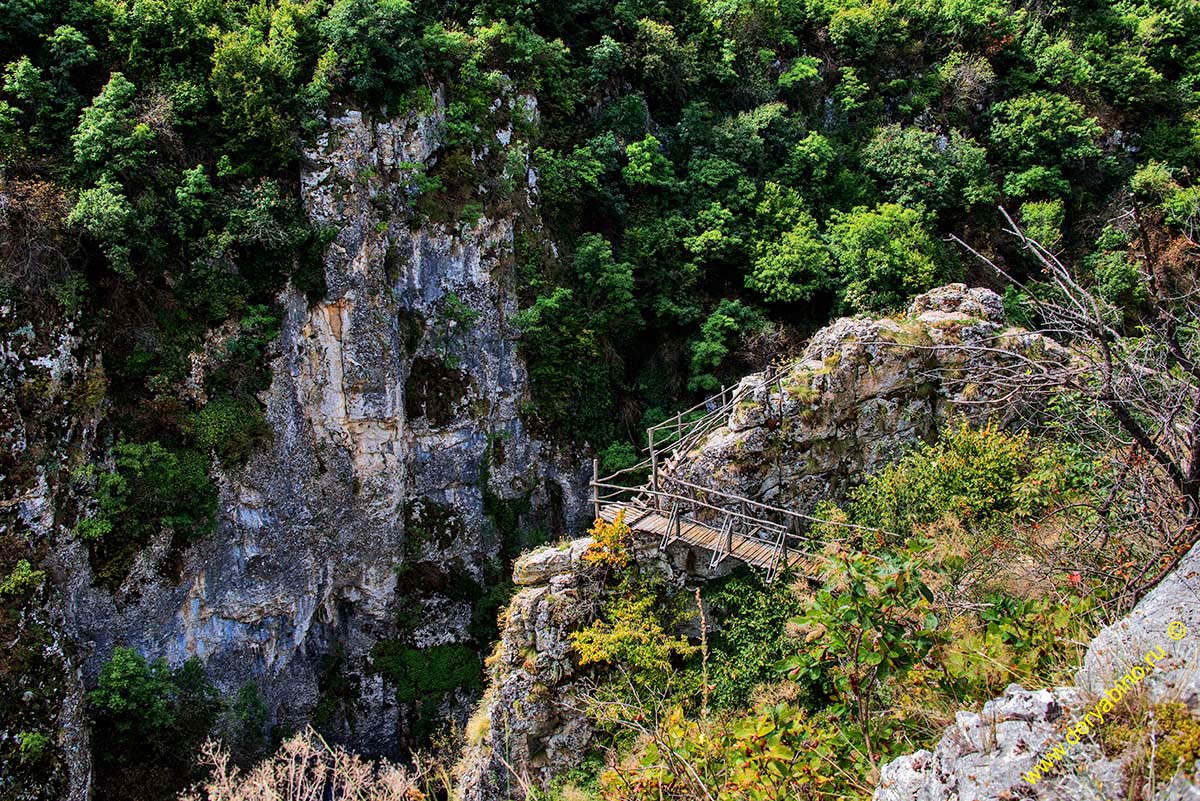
(656, 501)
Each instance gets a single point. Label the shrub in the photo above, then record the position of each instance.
(752, 637)
(149, 719)
(149, 489)
(869, 624)
(109, 139)
(728, 323)
(426, 674)
(32, 746)
(610, 542)
(776, 752)
(647, 166)
(916, 167)
(231, 427)
(634, 632)
(22, 580)
(884, 255)
(375, 45)
(794, 267)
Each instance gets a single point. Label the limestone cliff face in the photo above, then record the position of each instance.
(48, 397)
(394, 413)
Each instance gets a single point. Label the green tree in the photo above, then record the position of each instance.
(607, 286)
(109, 139)
(634, 631)
(1046, 132)
(884, 255)
(1043, 221)
(105, 213)
(148, 719)
(921, 168)
(795, 267)
(149, 489)
(647, 166)
(250, 80)
(720, 331)
(375, 43)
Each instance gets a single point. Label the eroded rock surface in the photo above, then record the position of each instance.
(531, 724)
(394, 415)
(863, 392)
(985, 756)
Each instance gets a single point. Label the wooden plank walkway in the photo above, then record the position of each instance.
(751, 550)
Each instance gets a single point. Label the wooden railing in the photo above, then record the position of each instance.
(683, 501)
(784, 531)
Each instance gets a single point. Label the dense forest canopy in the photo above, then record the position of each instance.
(711, 171)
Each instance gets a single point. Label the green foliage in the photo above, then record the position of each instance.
(753, 636)
(149, 720)
(1045, 131)
(794, 266)
(1042, 221)
(617, 456)
(1182, 210)
(633, 632)
(148, 489)
(420, 674)
(374, 43)
(921, 168)
(1033, 642)
(105, 213)
(230, 427)
(1116, 273)
(728, 322)
(884, 255)
(607, 286)
(769, 754)
(32, 746)
(22, 581)
(253, 75)
(800, 72)
(869, 625)
(567, 370)
(109, 140)
(973, 474)
(248, 718)
(647, 166)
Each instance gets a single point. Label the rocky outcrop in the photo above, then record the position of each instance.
(986, 756)
(863, 392)
(531, 725)
(394, 410)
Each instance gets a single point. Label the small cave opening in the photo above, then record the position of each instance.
(434, 391)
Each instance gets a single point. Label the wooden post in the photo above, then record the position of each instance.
(654, 471)
(595, 486)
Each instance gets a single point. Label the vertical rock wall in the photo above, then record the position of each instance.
(394, 413)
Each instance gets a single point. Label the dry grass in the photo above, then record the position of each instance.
(305, 768)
